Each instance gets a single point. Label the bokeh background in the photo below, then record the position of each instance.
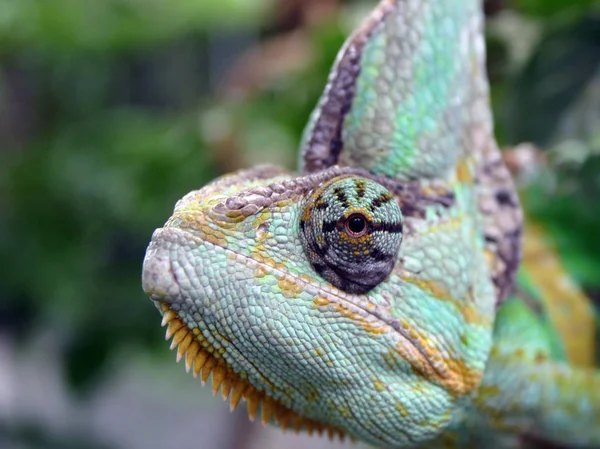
(112, 110)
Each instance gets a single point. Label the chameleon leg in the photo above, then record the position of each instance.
(524, 391)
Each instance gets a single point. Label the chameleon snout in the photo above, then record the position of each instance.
(158, 277)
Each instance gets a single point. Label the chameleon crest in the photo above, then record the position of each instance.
(359, 296)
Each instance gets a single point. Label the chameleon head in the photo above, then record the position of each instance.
(326, 301)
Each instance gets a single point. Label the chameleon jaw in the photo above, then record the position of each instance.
(205, 361)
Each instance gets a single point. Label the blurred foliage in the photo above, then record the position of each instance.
(553, 100)
(113, 25)
(99, 138)
(551, 9)
(112, 110)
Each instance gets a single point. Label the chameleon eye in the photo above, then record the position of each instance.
(351, 230)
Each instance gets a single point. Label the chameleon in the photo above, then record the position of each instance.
(376, 292)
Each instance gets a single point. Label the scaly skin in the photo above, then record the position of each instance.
(360, 296)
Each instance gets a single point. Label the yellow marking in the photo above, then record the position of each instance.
(449, 440)
(344, 411)
(443, 226)
(306, 278)
(465, 308)
(390, 359)
(540, 357)
(260, 272)
(320, 352)
(313, 395)
(402, 410)
(260, 220)
(358, 210)
(198, 222)
(289, 286)
(464, 171)
(259, 254)
(379, 385)
(373, 328)
(432, 364)
(285, 203)
(519, 354)
(367, 238)
(233, 218)
(307, 213)
(488, 391)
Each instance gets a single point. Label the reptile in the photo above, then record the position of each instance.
(372, 293)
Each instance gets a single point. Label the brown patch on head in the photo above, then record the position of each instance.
(502, 219)
(414, 198)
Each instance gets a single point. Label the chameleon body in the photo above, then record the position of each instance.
(369, 294)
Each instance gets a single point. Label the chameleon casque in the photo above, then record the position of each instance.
(372, 294)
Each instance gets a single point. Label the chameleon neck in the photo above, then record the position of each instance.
(524, 391)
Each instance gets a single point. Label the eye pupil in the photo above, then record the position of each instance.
(356, 224)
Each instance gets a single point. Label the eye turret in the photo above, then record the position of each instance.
(351, 231)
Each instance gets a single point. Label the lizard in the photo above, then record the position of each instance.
(371, 294)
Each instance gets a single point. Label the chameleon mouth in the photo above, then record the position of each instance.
(204, 361)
